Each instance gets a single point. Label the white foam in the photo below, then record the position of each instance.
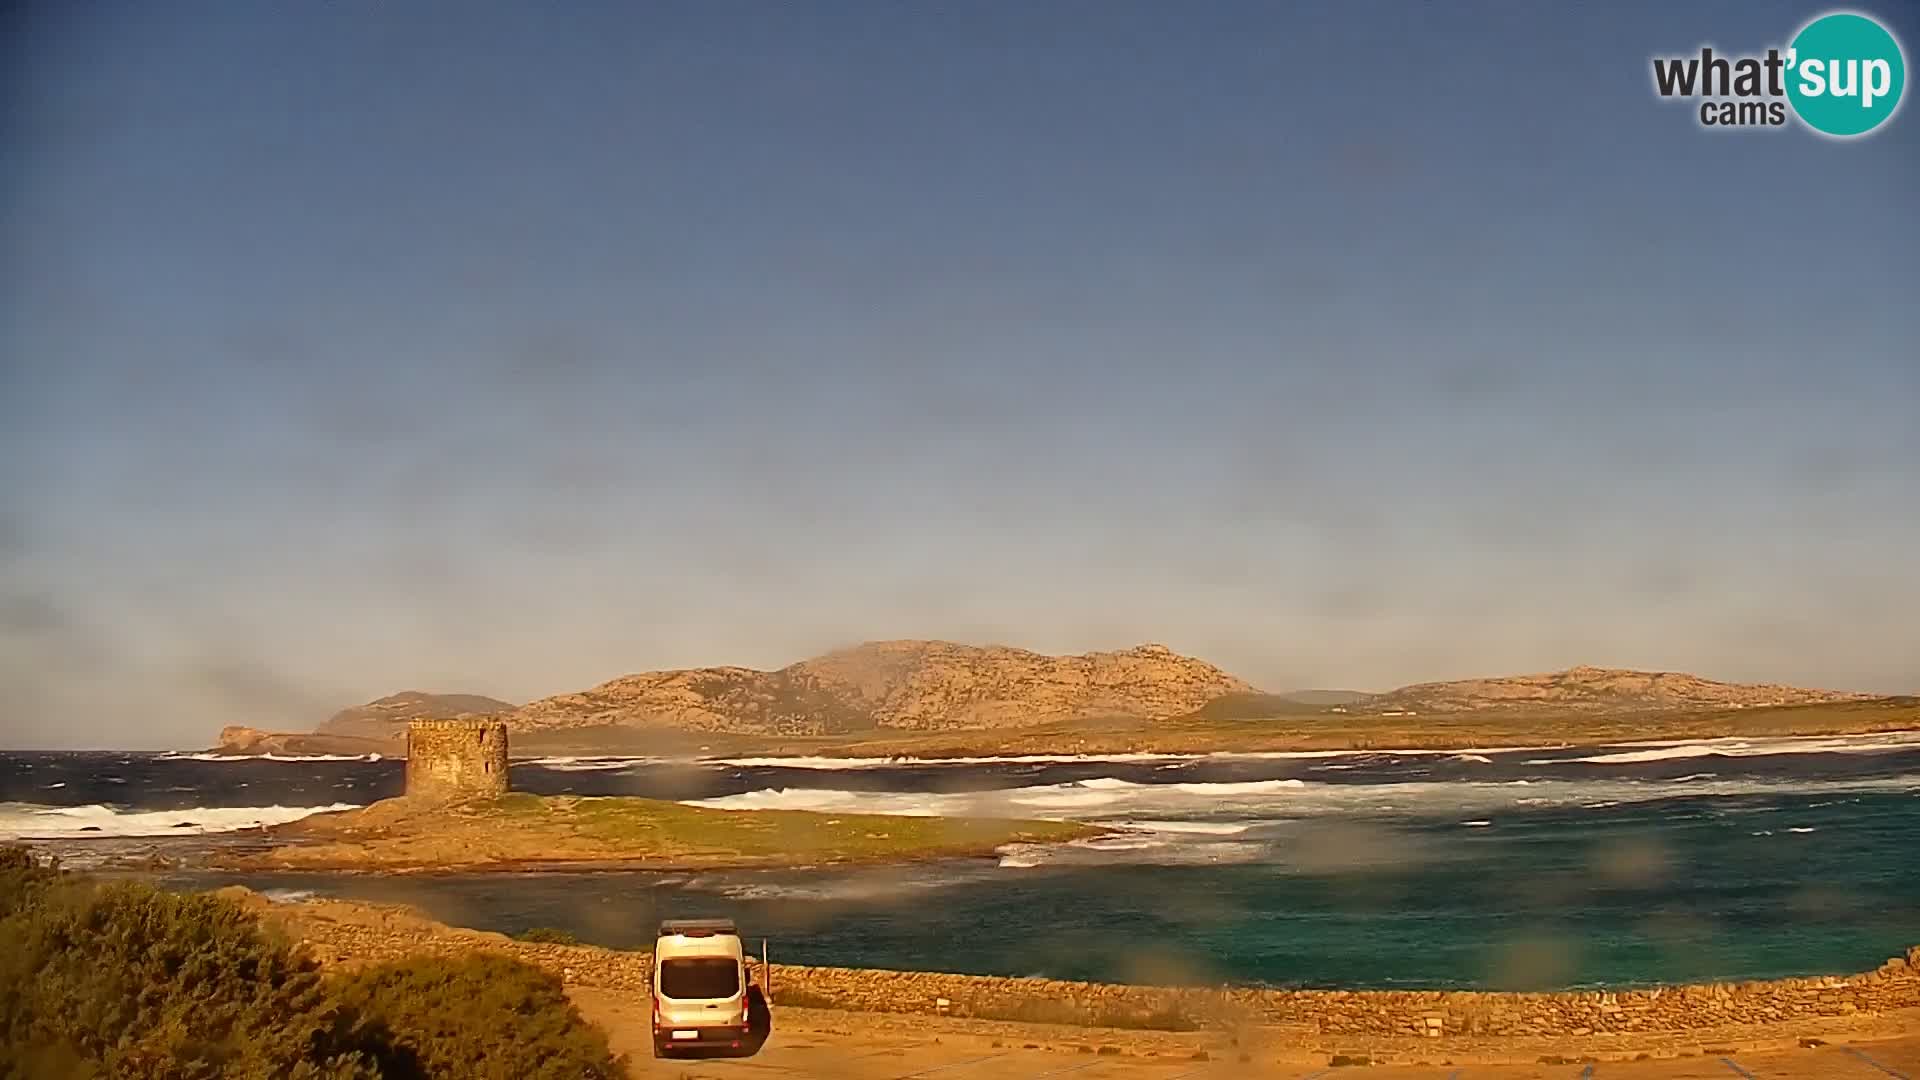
(1115, 801)
(31, 821)
(591, 764)
(831, 763)
(1739, 747)
(1094, 799)
(1253, 787)
(1067, 796)
(1141, 842)
(1201, 828)
(1105, 851)
(830, 801)
(806, 762)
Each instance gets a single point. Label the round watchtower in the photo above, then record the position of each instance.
(450, 760)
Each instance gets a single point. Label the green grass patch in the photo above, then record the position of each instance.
(646, 823)
(532, 829)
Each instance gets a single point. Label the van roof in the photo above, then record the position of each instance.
(675, 948)
(697, 927)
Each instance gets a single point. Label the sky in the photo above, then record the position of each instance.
(506, 348)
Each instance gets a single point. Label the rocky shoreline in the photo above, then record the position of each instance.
(344, 932)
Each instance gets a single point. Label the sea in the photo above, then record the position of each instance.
(1623, 865)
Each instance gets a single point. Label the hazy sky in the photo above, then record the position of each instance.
(508, 347)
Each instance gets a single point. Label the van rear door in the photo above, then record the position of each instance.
(700, 978)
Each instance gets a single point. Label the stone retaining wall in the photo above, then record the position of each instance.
(348, 933)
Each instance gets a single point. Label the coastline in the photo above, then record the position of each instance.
(1323, 731)
(1597, 1022)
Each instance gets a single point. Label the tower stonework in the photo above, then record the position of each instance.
(451, 760)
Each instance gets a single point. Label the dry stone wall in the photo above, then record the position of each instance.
(347, 933)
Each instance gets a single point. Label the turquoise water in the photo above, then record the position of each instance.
(1676, 891)
(1597, 866)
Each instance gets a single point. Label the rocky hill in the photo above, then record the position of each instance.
(1594, 689)
(387, 717)
(899, 685)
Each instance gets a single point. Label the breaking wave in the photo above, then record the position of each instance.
(1737, 747)
(1202, 807)
(33, 822)
(838, 763)
(591, 764)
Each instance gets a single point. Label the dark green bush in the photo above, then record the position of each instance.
(481, 1016)
(22, 878)
(125, 980)
(547, 935)
(128, 982)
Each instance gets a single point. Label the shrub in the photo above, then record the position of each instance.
(803, 999)
(481, 1016)
(22, 877)
(125, 980)
(128, 982)
(547, 935)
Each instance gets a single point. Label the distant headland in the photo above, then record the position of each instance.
(918, 698)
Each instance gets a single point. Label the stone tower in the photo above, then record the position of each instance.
(450, 760)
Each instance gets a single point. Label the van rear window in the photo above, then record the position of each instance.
(700, 977)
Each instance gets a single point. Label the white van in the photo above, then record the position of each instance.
(700, 988)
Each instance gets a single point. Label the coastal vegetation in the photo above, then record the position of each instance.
(125, 980)
(522, 831)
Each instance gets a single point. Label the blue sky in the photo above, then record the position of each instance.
(510, 347)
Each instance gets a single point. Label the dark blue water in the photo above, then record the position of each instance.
(1525, 869)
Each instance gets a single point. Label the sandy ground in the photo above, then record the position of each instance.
(861, 1046)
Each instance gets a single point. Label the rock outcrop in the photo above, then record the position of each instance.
(900, 685)
(242, 741)
(238, 739)
(1599, 689)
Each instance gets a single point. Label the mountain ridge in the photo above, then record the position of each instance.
(1587, 688)
(902, 685)
(911, 686)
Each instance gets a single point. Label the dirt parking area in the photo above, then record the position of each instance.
(861, 1046)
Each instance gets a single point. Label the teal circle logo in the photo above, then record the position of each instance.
(1845, 74)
